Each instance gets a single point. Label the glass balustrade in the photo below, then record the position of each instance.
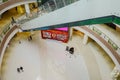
(4, 31)
(113, 44)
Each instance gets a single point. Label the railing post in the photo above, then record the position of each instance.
(27, 9)
(64, 2)
(55, 4)
(49, 7)
(43, 8)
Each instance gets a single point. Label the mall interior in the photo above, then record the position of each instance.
(59, 40)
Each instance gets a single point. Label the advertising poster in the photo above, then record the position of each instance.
(60, 34)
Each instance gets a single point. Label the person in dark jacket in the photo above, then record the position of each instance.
(71, 50)
(18, 70)
(21, 68)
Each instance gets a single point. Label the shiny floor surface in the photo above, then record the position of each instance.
(48, 60)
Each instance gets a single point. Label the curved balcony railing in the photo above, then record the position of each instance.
(6, 35)
(106, 38)
(103, 41)
(11, 2)
(3, 31)
(9, 34)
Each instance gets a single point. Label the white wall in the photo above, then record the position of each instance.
(80, 10)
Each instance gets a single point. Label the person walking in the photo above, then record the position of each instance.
(13, 20)
(18, 70)
(30, 37)
(21, 68)
(67, 48)
(71, 50)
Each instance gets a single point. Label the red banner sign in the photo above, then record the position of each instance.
(55, 34)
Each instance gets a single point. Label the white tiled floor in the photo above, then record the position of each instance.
(48, 60)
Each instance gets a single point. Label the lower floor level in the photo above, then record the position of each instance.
(45, 59)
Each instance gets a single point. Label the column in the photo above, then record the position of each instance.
(85, 39)
(27, 9)
(70, 33)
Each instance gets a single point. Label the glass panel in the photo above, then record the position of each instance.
(52, 5)
(59, 3)
(68, 1)
(46, 7)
